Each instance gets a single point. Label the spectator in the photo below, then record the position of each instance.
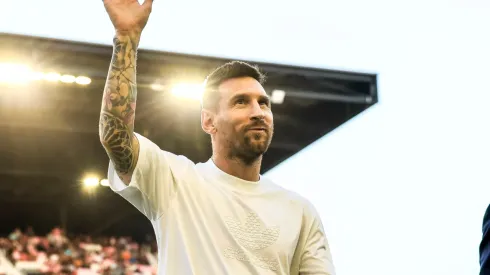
(57, 254)
(56, 238)
(15, 235)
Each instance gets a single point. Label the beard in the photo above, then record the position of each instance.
(250, 146)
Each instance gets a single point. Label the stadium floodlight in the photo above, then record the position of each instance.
(83, 80)
(67, 78)
(90, 182)
(278, 96)
(12, 73)
(52, 77)
(157, 87)
(16, 73)
(188, 91)
(104, 182)
(36, 76)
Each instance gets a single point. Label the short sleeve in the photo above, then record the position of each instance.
(154, 180)
(316, 258)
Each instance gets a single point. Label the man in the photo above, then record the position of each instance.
(485, 245)
(218, 217)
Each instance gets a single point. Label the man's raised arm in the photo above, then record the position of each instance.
(116, 123)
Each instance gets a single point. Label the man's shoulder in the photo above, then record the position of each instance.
(292, 196)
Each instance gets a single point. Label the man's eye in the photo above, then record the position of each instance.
(240, 101)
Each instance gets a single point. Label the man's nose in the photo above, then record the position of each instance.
(256, 112)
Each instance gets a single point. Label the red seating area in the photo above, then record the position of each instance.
(55, 253)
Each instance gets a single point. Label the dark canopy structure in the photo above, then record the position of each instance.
(49, 129)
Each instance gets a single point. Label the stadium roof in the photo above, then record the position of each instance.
(49, 139)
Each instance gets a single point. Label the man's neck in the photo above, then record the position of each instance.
(237, 168)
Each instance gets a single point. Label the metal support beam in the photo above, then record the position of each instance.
(357, 99)
(285, 146)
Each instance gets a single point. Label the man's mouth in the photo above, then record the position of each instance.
(258, 129)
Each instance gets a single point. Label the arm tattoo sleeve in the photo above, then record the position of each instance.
(118, 106)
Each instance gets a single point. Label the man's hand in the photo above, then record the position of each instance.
(129, 17)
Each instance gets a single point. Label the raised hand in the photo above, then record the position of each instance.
(128, 16)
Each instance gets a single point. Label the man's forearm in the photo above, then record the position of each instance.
(119, 105)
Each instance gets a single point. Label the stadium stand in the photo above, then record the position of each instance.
(55, 253)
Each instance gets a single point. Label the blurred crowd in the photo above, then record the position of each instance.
(55, 253)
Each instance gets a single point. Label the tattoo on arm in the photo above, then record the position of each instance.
(118, 107)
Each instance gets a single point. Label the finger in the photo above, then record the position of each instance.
(148, 4)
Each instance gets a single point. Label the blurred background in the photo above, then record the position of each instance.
(381, 111)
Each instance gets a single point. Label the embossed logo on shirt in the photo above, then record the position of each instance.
(253, 236)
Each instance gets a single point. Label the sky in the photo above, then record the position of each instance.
(401, 188)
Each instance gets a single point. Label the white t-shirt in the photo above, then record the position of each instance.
(209, 222)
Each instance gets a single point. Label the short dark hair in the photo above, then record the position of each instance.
(234, 69)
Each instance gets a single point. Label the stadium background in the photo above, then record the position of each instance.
(401, 188)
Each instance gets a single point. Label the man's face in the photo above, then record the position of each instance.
(243, 121)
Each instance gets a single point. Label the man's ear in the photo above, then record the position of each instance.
(207, 121)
